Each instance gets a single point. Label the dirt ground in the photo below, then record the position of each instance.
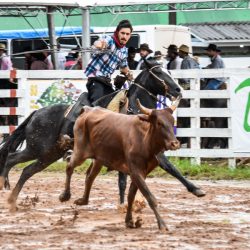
(220, 220)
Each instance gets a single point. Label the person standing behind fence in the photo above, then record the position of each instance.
(5, 61)
(216, 63)
(187, 63)
(132, 63)
(145, 53)
(174, 61)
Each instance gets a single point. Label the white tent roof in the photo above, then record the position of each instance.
(68, 3)
(96, 3)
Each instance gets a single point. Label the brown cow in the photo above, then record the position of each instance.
(127, 143)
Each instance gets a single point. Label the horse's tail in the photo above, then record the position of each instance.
(12, 142)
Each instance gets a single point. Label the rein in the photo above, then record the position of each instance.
(154, 96)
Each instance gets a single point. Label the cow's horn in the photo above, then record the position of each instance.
(175, 104)
(143, 109)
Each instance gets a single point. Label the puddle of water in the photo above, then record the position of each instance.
(223, 198)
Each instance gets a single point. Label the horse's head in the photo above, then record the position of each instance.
(161, 81)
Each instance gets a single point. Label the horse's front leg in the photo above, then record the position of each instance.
(170, 168)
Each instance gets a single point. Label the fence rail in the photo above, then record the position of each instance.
(195, 112)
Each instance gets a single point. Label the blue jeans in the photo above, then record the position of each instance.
(213, 84)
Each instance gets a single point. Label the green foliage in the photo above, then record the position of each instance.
(202, 172)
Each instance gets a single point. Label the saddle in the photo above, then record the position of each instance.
(116, 102)
(119, 103)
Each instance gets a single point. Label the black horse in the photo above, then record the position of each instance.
(43, 128)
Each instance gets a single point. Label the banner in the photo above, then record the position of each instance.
(44, 93)
(240, 107)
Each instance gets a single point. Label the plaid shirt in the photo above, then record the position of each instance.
(106, 64)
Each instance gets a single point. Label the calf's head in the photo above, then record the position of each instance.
(162, 123)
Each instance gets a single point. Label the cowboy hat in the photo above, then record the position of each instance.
(157, 54)
(212, 47)
(172, 48)
(2, 46)
(144, 46)
(184, 48)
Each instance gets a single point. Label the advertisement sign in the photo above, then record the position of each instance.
(49, 92)
(240, 106)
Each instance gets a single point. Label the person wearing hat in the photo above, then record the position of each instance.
(145, 53)
(132, 63)
(216, 63)
(188, 62)
(158, 57)
(174, 61)
(102, 66)
(5, 62)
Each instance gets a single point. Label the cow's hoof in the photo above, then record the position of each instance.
(2, 181)
(65, 196)
(163, 228)
(12, 205)
(7, 185)
(138, 222)
(130, 224)
(198, 192)
(81, 201)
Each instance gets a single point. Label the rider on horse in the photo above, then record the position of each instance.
(102, 66)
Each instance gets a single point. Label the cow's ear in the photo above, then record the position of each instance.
(144, 117)
(82, 110)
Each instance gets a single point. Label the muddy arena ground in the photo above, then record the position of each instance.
(220, 220)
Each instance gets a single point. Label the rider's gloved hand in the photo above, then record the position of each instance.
(129, 75)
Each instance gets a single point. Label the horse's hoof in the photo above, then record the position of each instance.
(81, 201)
(2, 181)
(198, 192)
(65, 196)
(130, 224)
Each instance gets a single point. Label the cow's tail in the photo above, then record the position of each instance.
(12, 142)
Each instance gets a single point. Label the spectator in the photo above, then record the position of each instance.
(41, 61)
(145, 52)
(73, 61)
(158, 57)
(187, 63)
(61, 55)
(132, 63)
(216, 63)
(28, 58)
(5, 61)
(174, 61)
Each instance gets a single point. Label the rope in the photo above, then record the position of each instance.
(34, 29)
(67, 21)
(89, 50)
(105, 31)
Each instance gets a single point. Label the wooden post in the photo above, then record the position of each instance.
(195, 121)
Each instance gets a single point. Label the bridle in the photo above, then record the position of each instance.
(158, 78)
(164, 84)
